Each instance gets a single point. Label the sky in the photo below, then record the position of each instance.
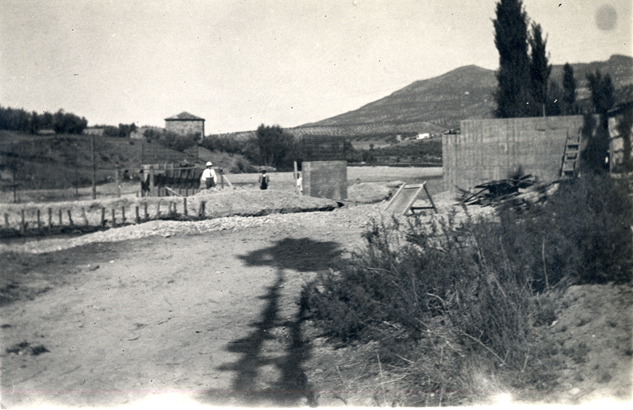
(242, 63)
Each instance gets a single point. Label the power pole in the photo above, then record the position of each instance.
(76, 173)
(15, 193)
(94, 168)
(117, 181)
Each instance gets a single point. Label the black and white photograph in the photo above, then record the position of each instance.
(316, 203)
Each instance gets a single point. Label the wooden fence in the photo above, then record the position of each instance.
(76, 218)
(171, 179)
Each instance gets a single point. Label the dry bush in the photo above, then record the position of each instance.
(450, 300)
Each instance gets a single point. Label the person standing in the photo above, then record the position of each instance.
(144, 183)
(299, 182)
(263, 180)
(207, 179)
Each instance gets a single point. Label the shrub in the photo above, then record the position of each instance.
(432, 274)
(582, 234)
(171, 140)
(484, 284)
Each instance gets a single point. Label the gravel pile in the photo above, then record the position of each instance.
(354, 218)
(278, 211)
(216, 204)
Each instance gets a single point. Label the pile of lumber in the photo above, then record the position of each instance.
(497, 192)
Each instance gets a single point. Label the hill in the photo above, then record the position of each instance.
(437, 104)
(464, 93)
(64, 161)
(440, 102)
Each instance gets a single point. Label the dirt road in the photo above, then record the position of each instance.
(209, 319)
(194, 316)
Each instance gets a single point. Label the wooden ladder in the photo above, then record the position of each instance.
(571, 157)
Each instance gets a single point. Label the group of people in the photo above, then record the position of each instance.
(208, 178)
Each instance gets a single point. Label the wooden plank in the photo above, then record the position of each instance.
(393, 198)
(229, 182)
(168, 189)
(403, 199)
(429, 196)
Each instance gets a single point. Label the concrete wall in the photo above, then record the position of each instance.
(325, 179)
(186, 127)
(495, 148)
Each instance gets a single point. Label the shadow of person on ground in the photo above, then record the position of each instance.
(292, 387)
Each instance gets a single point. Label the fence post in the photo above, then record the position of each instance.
(151, 181)
(117, 181)
(50, 219)
(184, 206)
(146, 214)
(138, 219)
(201, 213)
(70, 217)
(158, 210)
(39, 223)
(6, 221)
(60, 218)
(123, 215)
(113, 218)
(102, 216)
(83, 213)
(23, 226)
(94, 167)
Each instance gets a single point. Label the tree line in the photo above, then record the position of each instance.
(272, 146)
(17, 119)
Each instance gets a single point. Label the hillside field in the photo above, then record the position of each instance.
(65, 161)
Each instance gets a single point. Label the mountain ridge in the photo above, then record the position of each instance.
(439, 103)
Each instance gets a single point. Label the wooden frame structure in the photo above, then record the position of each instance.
(405, 197)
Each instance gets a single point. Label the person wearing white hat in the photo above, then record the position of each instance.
(207, 179)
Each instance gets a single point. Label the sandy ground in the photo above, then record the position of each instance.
(212, 317)
(109, 324)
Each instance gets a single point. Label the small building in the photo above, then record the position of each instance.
(185, 124)
(424, 135)
(94, 131)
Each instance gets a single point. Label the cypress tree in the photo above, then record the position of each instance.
(569, 90)
(540, 70)
(511, 39)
